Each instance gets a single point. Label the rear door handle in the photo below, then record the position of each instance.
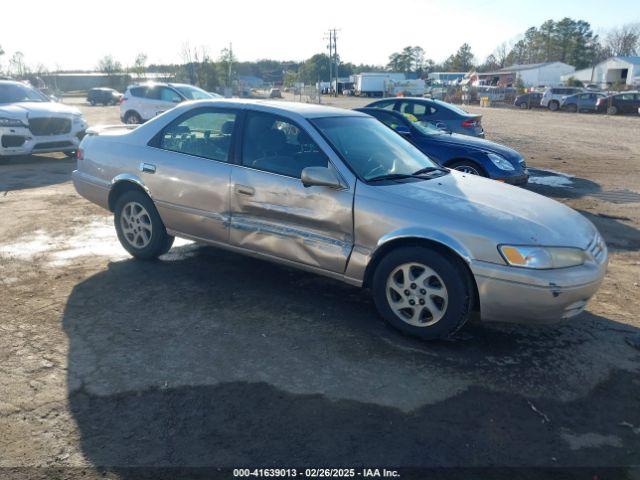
(147, 167)
(244, 190)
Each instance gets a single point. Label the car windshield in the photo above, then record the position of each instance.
(193, 93)
(15, 93)
(370, 148)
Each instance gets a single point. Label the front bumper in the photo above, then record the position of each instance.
(519, 295)
(16, 141)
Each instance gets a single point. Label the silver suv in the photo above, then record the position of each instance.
(553, 97)
(144, 101)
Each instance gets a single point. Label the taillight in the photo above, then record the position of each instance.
(598, 102)
(80, 154)
(122, 100)
(470, 123)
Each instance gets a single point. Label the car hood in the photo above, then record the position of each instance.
(25, 110)
(490, 209)
(475, 143)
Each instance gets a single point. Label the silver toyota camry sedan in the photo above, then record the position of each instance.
(338, 193)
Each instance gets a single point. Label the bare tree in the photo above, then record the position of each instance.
(500, 54)
(17, 67)
(624, 40)
(139, 65)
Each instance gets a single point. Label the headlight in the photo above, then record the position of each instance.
(542, 257)
(500, 162)
(11, 122)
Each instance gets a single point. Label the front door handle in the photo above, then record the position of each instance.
(147, 167)
(244, 190)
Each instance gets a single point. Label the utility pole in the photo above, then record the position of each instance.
(333, 58)
(230, 64)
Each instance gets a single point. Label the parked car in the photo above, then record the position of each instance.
(105, 96)
(627, 102)
(443, 115)
(552, 97)
(275, 93)
(31, 123)
(581, 102)
(336, 192)
(145, 101)
(471, 155)
(528, 100)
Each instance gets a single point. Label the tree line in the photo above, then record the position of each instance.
(566, 40)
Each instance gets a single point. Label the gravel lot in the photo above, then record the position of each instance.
(209, 358)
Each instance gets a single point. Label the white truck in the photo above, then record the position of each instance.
(412, 88)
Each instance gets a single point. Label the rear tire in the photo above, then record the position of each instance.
(572, 108)
(524, 106)
(132, 118)
(139, 226)
(554, 105)
(438, 285)
(612, 110)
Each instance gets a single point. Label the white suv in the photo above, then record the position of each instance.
(31, 123)
(144, 101)
(553, 97)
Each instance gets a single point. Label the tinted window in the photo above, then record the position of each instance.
(388, 119)
(138, 91)
(414, 108)
(168, 95)
(275, 145)
(153, 93)
(626, 96)
(386, 104)
(193, 93)
(205, 134)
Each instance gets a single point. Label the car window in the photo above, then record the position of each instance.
(415, 108)
(138, 91)
(386, 104)
(388, 119)
(276, 145)
(16, 92)
(193, 93)
(626, 96)
(168, 95)
(153, 93)
(203, 134)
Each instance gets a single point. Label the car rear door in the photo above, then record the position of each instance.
(272, 212)
(188, 169)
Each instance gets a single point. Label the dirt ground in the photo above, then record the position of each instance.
(208, 358)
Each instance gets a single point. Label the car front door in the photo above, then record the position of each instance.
(272, 212)
(187, 172)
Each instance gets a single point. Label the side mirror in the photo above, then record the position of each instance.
(320, 177)
(403, 130)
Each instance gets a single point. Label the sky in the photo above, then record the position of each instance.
(76, 34)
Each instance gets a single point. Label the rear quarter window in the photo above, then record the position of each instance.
(138, 91)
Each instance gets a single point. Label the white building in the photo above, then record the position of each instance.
(546, 74)
(614, 70)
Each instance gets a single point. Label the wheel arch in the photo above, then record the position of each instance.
(449, 247)
(125, 183)
(455, 160)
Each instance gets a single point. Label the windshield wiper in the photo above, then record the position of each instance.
(429, 170)
(391, 176)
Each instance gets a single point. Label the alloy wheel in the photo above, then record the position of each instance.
(136, 225)
(416, 294)
(467, 169)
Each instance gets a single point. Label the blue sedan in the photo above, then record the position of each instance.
(471, 155)
(441, 114)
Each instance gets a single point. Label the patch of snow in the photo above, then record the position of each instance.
(97, 238)
(551, 178)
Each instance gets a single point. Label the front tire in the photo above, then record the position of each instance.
(422, 292)
(139, 226)
(467, 166)
(554, 105)
(612, 110)
(524, 106)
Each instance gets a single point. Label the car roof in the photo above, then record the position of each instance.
(306, 110)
